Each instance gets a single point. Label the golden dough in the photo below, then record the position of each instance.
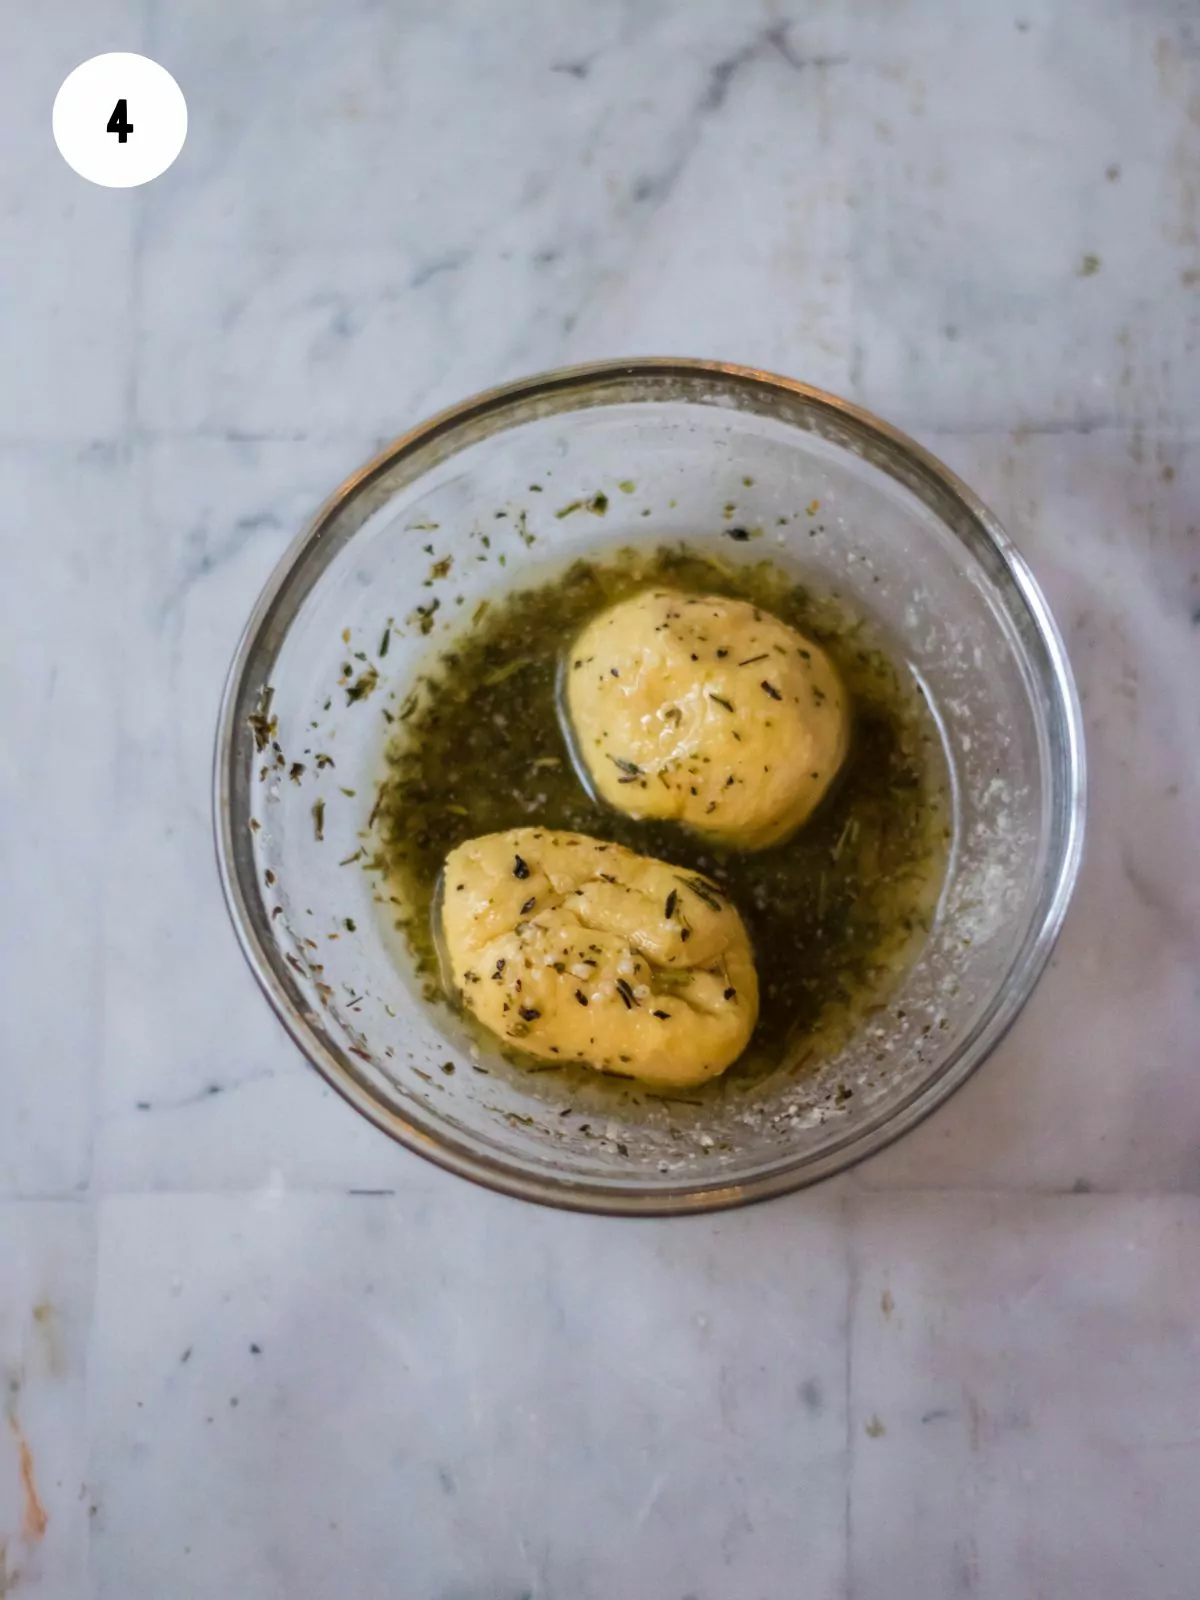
(706, 711)
(577, 950)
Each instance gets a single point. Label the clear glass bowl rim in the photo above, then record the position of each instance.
(563, 390)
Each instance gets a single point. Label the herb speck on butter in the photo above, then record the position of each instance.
(835, 913)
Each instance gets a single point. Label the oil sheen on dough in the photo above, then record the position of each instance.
(705, 711)
(574, 949)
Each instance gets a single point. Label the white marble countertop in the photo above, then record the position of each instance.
(252, 1349)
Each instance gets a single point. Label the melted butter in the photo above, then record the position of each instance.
(836, 913)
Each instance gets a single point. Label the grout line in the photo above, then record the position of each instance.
(368, 438)
(87, 1363)
(127, 445)
(851, 1260)
(985, 1191)
(131, 431)
(409, 1184)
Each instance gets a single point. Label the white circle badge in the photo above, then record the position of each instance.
(119, 120)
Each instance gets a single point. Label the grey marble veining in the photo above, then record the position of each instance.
(248, 1346)
(555, 1445)
(1017, 1426)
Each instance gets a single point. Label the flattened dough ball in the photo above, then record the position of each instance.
(577, 950)
(706, 711)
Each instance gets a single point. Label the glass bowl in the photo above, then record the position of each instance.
(897, 533)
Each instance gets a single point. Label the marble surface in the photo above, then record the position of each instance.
(248, 1347)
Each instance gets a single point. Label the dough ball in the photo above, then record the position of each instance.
(577, 950)
(706, 711)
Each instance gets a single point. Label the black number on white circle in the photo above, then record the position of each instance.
(119, 122)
